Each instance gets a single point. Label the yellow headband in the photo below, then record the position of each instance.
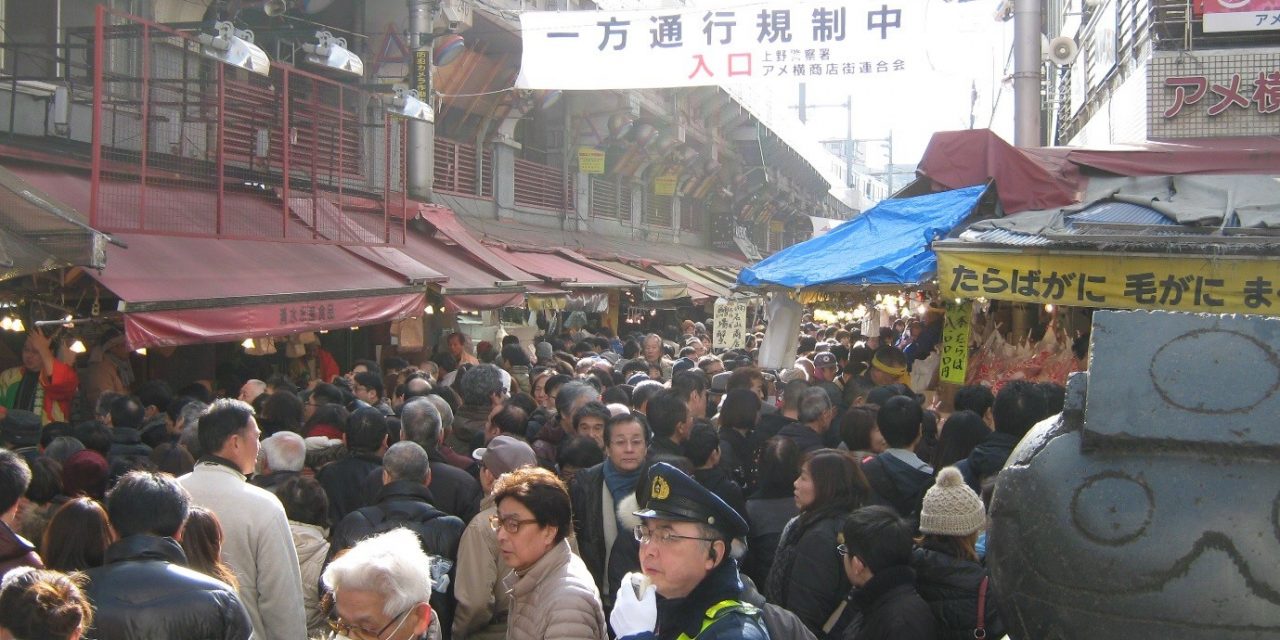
(898, 372)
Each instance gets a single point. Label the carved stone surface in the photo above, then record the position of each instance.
(1151, 507)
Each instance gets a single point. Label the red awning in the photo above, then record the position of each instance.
(447, 224)
(471, 285)
(180, 290)
(564, 271)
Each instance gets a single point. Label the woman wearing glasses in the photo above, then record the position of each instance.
(552, 593)
(807, 577)
(380, 589)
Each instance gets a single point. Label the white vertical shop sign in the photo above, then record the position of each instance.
(812, 42)
(729, 326)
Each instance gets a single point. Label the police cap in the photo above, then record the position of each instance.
(672, 495)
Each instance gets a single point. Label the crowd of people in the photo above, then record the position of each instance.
(587, 485)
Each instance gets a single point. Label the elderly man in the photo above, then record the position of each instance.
(814, 416)
(690, 587)
(381, 588)
(405, 502)
(652, 355)
(251, 389)
(482, 598)
(257, 542)
(42, 385)
(283, 456)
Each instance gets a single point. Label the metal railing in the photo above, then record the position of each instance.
(185, 145)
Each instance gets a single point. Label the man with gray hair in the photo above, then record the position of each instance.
(384, 582)
(453, 490)
(482, 390)
(282, 457)
(814, 417)
(653, 356)
(405, 502)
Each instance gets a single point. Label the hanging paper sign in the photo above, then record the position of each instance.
(955, 343)
(665, 185)
(730, 325)
(590, 160)
(842, 41)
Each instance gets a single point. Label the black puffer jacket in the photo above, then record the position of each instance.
(144, 591)
(890, 609)
(950, 586)
(406, 504)
(807, 576)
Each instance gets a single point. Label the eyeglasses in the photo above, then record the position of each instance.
(663, 538)
(512, 525)
(348, 630)
(842, 550)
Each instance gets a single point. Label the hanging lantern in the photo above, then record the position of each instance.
(448, 48)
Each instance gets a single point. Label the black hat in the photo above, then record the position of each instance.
(20, 428)
(675, 496)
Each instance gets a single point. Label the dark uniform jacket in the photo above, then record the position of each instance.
(343, 482)
(686, 615)
(144, 591)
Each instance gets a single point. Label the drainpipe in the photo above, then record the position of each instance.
(1026, 73)
(420, 149)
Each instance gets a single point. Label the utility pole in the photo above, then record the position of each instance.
(420, 151)
(1026, 73)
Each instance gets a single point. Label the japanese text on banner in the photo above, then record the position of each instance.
(729, 325)
(955, 343)
(1176, 283)
(841, 41)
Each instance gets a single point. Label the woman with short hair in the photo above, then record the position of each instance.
(553, 594)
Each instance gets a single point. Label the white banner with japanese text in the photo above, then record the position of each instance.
(729, 327)
(842, 41)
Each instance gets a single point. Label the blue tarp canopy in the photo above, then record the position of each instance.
(888, 244)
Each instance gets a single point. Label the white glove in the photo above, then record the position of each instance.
(632, 615)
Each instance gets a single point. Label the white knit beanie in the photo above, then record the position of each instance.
(951, 508)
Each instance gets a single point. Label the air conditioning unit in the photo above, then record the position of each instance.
(456, 15)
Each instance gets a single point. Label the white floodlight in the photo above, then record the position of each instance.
(332, 53)
(235, 47)
(406, 104)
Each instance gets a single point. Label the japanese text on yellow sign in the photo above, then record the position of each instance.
(590, 160)
(1221, 284)
(955, 343)
(665, 185)
(730, 325)
(422, 73)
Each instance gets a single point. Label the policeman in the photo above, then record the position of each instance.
(690, 586)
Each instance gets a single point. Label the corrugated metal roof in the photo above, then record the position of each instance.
(1120, 213)
(1005, 237)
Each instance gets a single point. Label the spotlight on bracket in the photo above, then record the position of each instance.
(332, 53)
(406, 104)
(235, 47)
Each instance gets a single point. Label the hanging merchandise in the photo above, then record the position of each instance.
(260, 346)
(782, 336)
(409, 333)
(294, 347)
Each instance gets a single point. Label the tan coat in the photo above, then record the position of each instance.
(482, 598)
(555, 598)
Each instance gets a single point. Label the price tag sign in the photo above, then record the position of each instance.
(590, 160)
(955, 342)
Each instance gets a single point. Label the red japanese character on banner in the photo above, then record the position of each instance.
(1230, 95)
(742, 66)
(701, 66)
(1199, 85)
(1266, 92)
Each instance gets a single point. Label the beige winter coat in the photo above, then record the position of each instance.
(482, 598)
(312, 548)
(555, 598)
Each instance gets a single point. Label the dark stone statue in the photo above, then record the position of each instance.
(1150, 508)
